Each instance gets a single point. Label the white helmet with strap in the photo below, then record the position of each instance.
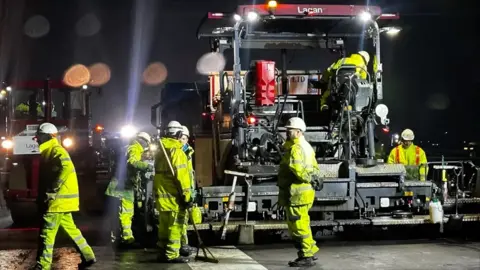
(296, 123)
(145, 136)
(174, 127)
(365, 56)
(48, 128)
(408, 135)
(185, 131)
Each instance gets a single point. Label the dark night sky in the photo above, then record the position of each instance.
(432, 60)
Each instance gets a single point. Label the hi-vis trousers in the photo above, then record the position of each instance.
(49, 228)
(170, 229)
(298, 222)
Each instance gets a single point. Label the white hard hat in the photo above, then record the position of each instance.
(296, 123)
(174, 127)
(48, 128)
(144, 136)
(407, 135)
(185, 131)
(365, 55)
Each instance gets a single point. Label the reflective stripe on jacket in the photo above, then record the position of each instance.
(295, 173)
(58, 179)
(411, 156)
(171, 192)
(135, 165)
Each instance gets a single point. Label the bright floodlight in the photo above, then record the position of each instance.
(237, 17)
(128, 131)
(252, 16)
(392, 31)
(365, 16)
(9, 88)
(381, 110)
(272, 4)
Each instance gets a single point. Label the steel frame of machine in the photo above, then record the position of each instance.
(352, 195)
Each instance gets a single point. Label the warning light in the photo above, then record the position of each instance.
(251, 120)
(204, 114)
(386, 129)
(272, 4)
(99, 128)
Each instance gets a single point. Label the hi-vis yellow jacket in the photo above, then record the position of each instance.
(413, 156)
(172, 192)
(296, 169)
(58, 184)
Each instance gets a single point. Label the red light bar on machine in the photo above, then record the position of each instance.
(308, 10)
(312, 10)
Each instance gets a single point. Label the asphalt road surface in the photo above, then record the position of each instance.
(416, 254)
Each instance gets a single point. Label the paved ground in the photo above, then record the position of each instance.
(439, 254)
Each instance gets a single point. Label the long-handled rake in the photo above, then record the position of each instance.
(201, 245)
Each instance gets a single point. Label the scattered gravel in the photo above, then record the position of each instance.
(22, 259)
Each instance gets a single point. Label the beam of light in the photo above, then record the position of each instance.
(141, 43)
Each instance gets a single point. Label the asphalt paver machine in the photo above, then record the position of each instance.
(237, 153)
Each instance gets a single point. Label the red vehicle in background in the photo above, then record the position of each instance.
(23, 106)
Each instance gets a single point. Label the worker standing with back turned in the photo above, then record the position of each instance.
(173, 195)
(296, 194)
(186, 250)
(58, 198)
(410, 155)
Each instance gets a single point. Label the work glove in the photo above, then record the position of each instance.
(150, 168)
(50, 196)
(317, 183)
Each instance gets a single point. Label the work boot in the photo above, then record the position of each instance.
(86, 264)
(186, 250)
(302, 262)
(127, 244)
(162, 259)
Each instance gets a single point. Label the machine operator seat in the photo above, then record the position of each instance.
(343, 75)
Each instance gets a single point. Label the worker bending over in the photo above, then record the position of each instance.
(124, 191)
(409, 154)
(296, 194)
(360, 60)
(186, 250)
(173, 195)
(58, 198)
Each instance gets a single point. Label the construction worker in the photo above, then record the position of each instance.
(173, 195)
(410, 155)
(24, 109)
(186, 250)
(125, 191)
(58, 198)
(360, 60)
(296, 194)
